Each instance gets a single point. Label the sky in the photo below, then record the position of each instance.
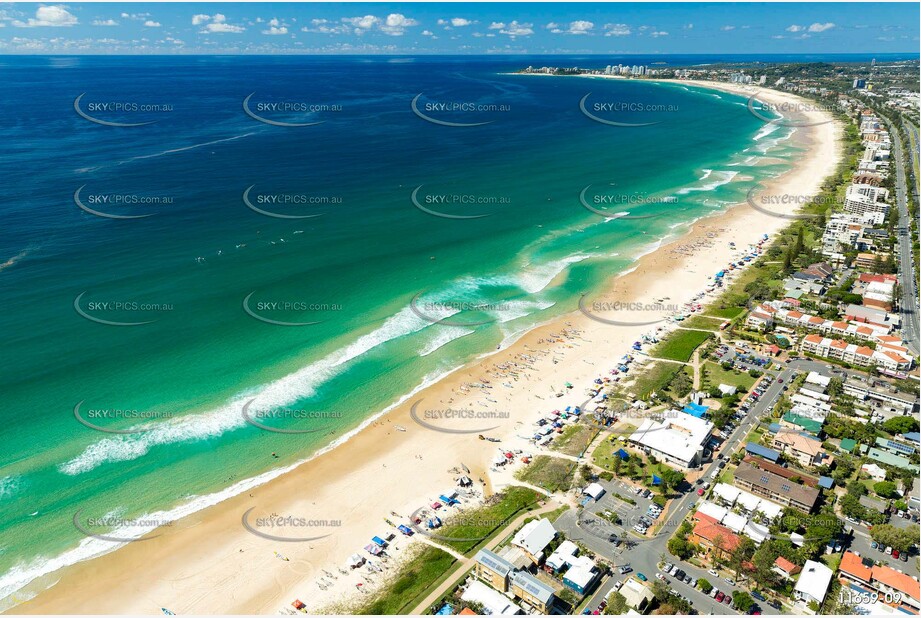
(459, 28)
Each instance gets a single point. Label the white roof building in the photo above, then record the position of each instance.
(594, 490)
(818, 379)
(563, 556)
(813, 582)
(726, 389)
(727, 492)
(757, 533)
(679, 440)
(734, 522)
(771, 510)
(534, 537)
(748, 501)
(712, 510)
(493, 602)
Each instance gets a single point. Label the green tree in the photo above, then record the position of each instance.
(617, 606)
(885, 489)
(742, 601)
(705, 586)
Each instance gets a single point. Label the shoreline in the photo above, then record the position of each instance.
(207, 563)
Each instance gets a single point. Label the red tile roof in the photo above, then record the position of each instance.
(711, 532)
(786, 566)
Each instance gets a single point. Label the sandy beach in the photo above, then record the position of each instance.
(210, 563)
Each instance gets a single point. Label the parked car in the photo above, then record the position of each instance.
(719, 597)
(626, 569)
(904, 556)
(728, 600)
(668, 567)
(642, 577)
(660, 577)
(895, 553)
(714, 592)
(713, 572)
(758, 596)
(730, 581)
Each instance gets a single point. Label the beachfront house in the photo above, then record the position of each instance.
(534, 537)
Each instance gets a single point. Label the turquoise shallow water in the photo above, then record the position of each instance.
(363, 261)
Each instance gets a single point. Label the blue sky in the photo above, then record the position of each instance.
(459, 28)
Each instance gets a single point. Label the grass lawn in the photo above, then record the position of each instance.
(409, 585)
(717, 375)
(832, 561)
(727, 313)
(654, 378)
(473, 528)
(679, 345)
(551, 473)
(574, 439)
(704, 322)
(603, 455)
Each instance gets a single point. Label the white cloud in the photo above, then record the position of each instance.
(727, 28)
(514, 29)
(324, 26)
(575, 27)
(817, 27)
(457, 22)
(218, 24)
(427, 33)
(151, 24)
(105, 22)
(54, 15)
(616, 30)
(276, 27)
(794, 28)
(396, 24)
(136, 16)
(658, 33)
(497, 25)
(362, 23)
(689, 27)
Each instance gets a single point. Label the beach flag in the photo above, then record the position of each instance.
(656, 480)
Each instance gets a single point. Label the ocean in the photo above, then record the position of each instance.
(360, 227)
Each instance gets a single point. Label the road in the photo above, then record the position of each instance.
(912, 131)
(911, 332)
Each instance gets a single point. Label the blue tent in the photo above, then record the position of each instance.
(378, 540)
(656, 480)
(405, 530)
(695, 410)
(622, 454)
